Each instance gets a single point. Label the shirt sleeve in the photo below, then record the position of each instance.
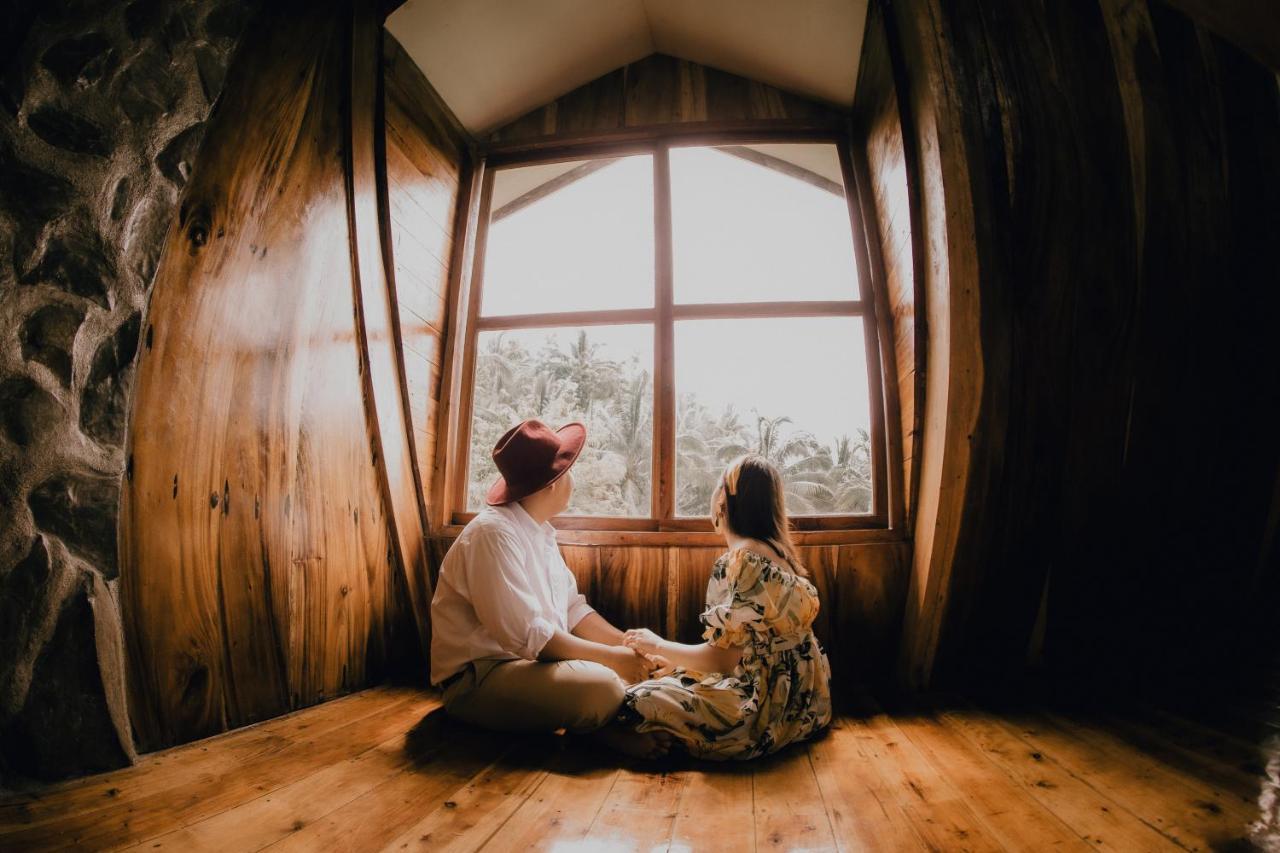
(500, 593)
(578, 608)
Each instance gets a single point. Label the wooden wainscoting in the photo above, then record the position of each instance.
(663, 588)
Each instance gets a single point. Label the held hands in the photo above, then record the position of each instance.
(661, 666)
(634, 666)
(642, 640)
(631, 666)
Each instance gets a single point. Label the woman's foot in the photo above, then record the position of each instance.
(647, 745)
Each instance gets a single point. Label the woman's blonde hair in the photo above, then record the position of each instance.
(751, 493)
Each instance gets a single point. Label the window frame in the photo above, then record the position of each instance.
(663, 525)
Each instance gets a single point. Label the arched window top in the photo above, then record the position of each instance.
(689, 303)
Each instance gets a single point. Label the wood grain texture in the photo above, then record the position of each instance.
(660, 90)
(378, 322)
(424, 162)
(259, 563)
(861, 588)
(954, 353)
(1253, 27)
(895, 226)
(386, 769)
(633, 587)
(1106, 196)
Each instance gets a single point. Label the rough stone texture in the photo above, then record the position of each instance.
(28, 413)
(103, 408)
(65, 696)
(102, 110)
(81, 511)
(48, 337)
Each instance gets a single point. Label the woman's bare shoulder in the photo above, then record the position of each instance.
(760, 549)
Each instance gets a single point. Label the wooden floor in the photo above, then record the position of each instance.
(384, 769)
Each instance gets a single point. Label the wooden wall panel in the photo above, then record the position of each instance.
(378, 324)
(890, 163)
(425, 151)
(870, 592)
(633, 587)
(258, 570)
(862, 589)
(689, 571)
(585, 565)
(661, 90)
(1107, 176)
(822, 563)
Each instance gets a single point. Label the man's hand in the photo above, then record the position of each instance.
(642, 640)
(631, 666)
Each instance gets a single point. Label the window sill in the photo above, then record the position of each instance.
(695, 533)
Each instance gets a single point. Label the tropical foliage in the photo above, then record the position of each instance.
(568, 377)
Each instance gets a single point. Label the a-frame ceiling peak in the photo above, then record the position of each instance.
(494, 60)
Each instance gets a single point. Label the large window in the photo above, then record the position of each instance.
(689, 303)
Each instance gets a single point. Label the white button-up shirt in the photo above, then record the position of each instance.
(502, 592)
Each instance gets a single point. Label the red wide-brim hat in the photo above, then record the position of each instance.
(532, 456)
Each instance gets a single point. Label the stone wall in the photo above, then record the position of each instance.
(102, 109)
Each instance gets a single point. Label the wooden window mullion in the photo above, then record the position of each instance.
(466, 410)
(881, 463)
(664, 385)
(869, 306)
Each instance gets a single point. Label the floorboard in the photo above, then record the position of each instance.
(385, 769)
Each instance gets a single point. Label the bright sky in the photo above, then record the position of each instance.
(811, 369)
(742, 233)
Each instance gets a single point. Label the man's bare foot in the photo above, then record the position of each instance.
(646, 745)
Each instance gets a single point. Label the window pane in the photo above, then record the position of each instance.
(794, 390)
(599, 375)
(760, 223)
(570, 237)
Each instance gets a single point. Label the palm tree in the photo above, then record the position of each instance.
(802, 462)
(834, 483)
(704, 445)
(497, 366)
(559, 384)
(592, 378)
(629, 437)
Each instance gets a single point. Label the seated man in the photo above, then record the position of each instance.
(514, 645)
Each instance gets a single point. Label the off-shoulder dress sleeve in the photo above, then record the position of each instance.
(739, 614)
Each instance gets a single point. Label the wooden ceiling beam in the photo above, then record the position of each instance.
(1250, 25)
(786, 167)
(556, 184)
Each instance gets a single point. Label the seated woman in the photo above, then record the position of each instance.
(760, 681)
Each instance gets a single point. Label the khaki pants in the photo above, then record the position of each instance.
(533, 696)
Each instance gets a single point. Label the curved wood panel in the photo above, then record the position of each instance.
(257, 565)
(387, 405)
(425, 158)
(1099, 451)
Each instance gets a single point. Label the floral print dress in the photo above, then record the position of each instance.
(780, 692)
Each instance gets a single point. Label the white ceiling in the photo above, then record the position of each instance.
(494, 60)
